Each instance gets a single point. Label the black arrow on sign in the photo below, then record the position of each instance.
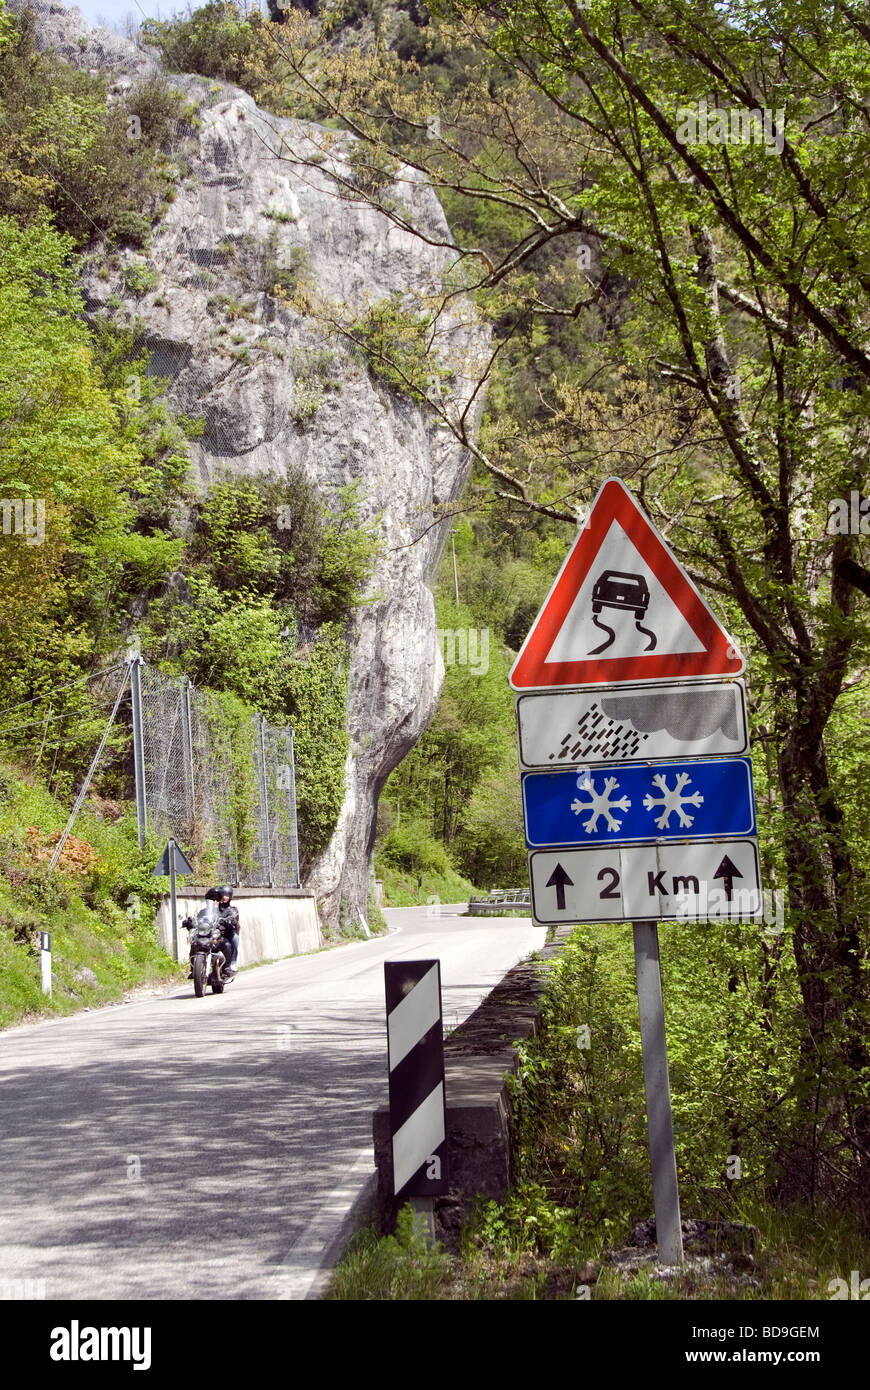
(727, 872)
(558, 879)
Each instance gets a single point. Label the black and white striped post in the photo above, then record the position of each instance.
(418, 1115)
(45, 961)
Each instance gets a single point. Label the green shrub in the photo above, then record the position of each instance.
(396, 344)
(131, 229)
(372, 170)
(218, 40)
(290, 279)
(66, 150)
(139, 279)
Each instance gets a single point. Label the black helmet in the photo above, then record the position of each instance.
(217, 893)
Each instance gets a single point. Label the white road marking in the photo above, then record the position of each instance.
(301, 1269)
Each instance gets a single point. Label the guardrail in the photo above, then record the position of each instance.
(500, 901)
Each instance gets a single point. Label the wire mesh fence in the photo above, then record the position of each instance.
(201, 766)
(219, 779)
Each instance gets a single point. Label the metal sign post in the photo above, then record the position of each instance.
(173, 910)
(660, 1123)
(172, 861)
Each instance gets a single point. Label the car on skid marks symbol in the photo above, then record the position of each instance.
(623, 591)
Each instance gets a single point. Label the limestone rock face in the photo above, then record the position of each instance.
(276, 394)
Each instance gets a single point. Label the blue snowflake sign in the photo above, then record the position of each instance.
(702, 800)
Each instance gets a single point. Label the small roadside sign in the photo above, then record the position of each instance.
(679, 719)
(686, 801)
(622, 609)
(173, 859)
(720, 880)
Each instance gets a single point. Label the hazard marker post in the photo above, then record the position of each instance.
(637, 795)
(45, 961)
(415, 1058)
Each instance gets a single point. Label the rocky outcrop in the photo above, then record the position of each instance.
(276, 395)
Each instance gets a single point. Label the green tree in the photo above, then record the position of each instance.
(63, 453)
(734, 395)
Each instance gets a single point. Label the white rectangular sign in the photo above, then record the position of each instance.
(716, 880)
(623, 724)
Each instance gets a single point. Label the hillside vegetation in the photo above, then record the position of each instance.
(690, 314)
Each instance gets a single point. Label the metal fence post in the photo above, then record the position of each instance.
(138, 748)
(265, 839)
(291, 792)
(187, 736)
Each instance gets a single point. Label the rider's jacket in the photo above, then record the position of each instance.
(228, 919)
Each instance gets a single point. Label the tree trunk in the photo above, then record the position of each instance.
(823, 909)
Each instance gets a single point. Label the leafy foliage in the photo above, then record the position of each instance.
(219, 40)
(66, 150)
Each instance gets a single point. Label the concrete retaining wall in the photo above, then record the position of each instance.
(275, 922)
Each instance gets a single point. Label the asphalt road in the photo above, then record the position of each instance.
(177, 1147)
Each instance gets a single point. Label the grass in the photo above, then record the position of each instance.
(391, 1267)
(408, 889)
(100, 947)
(564, 1230)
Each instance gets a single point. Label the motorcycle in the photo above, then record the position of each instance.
(207, 951)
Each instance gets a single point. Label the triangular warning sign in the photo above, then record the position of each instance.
(182, 863)
(622, 609)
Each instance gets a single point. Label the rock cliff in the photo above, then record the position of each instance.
(274, 395)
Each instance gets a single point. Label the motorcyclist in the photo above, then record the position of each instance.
(228, 921)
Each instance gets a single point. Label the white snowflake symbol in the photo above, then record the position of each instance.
(600, 805)
(672, 800)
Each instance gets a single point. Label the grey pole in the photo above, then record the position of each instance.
(660, 1124)
(188, 753)
(455, 580)
(138, 749)
(173, 909)
(294, 829)
(264, 806)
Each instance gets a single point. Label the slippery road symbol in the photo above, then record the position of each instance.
(618, 589)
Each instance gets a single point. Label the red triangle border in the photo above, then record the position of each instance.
(614, 502)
